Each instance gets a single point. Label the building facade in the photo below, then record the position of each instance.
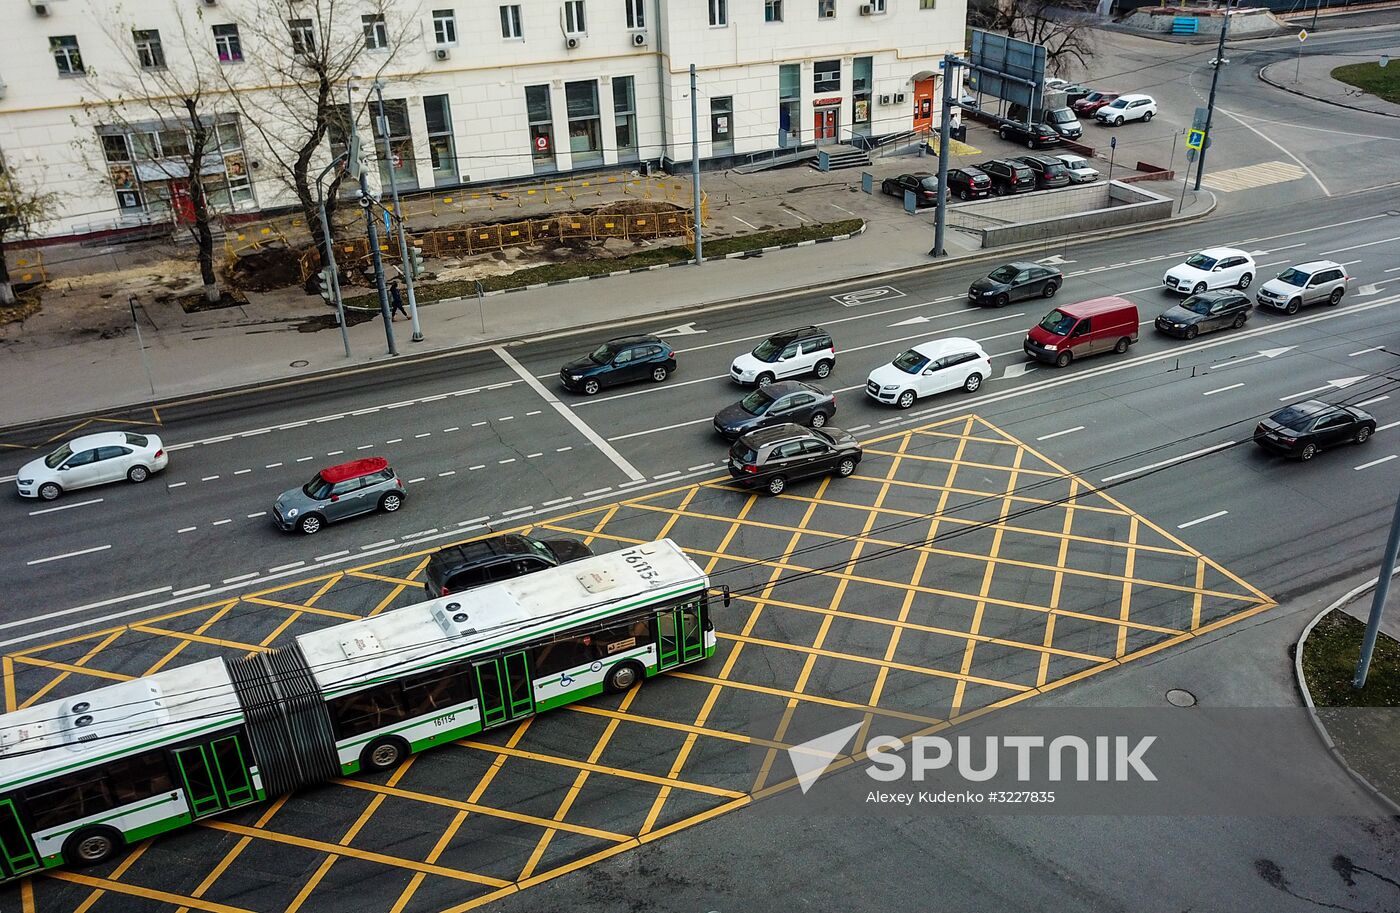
(474, 93)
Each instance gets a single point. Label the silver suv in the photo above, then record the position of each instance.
(1307, 283)
(338, 492)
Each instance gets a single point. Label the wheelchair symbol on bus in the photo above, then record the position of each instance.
(565, 680)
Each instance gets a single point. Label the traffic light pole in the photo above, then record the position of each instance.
(404, 260)
(1210, 103)
(945, 135)
(367, 203)
(334, 277)
(1373, 623)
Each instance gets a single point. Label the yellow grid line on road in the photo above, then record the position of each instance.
(1056, 587)
(621, 772)
(1125, 605)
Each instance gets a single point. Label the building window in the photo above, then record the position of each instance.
(510, 22)
(636, 14)
(926, 4)
(625, 117)
(376, 32)
(541, 119)
(722, 126)
(65, 53)
(445, 27)
(149, 54)
(789, 104)
(585, 125)
(122, 173)
(826, 76)
(401, 156)
(772, 10)
(862, 70)
(877, 6)
(826, 9)
(719, 12)
(441, 149)
(574, 23)
(234, 188)
(303, 36)
(226, 43)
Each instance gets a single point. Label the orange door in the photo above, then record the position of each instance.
(923, 104)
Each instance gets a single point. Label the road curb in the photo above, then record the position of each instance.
(1312, 708)
(996, 253)
(1325, 101)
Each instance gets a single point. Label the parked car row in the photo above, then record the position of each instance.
(995, 177)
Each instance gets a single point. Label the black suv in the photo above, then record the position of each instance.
(1009, 176)
(1035, 136)
(619, 361)
(969, 183)
(1049, 171)
(472, 564)
(923, 184)
(771, 457)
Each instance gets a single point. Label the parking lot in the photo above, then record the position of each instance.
(955, 571)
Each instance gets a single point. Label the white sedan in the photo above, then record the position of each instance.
(928, 368)
(1080, 171)
(1215, 267)
(93, 459)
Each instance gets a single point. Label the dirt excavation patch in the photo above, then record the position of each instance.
(267, 270)
(26, 305)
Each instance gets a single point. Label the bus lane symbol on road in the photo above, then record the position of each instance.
(867, 295)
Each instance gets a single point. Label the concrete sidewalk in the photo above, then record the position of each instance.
(103, 374)
(1311, 77)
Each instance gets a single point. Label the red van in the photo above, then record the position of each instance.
(1074, 330)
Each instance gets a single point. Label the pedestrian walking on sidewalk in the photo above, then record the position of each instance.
(396, 300)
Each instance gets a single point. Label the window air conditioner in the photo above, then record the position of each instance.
(884, 99)
(899, 98)
(867, 9)
(441, 53)
(829, 13)
(639, 39)
(40, 9)
(571, 42)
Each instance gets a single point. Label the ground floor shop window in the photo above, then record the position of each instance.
(441, 149)
(722, 126)
(625, 117)
(585, 126)
(538, 109)
(401, 155)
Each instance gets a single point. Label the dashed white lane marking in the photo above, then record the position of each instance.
(240, 578)
(364, 548)
(475, 520)
(49, 510)
(1222, 389)
(222, 522)
(423, 435)
(272, 465)
(450, 472)
(191, 589)
(503, 462)
(1364, 351)
(569, 416)
(478, 424)
(536, 412)
(506, 418)
(858, 428)
(562, 449)
(517, 510)
(1053, 434)
(1374, 399)
(177, 484)
(208, 478)
(555, 501)
(304, 459)
(700, 467)
(597, 491)
(1218, 513)
(667, 475)
(1387, 427)
(398, 440)
(340, 554)
(415, 481)
(82, 551)
(1163, 463)
(335, 453)
(261, 513)
(1384, 459)
(364, 447)
(187, 529)
(477, 466)
(1338, 250)
(285, 567)
(450, 430)
(239, 472)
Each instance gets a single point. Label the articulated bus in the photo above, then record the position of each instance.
(85, 776)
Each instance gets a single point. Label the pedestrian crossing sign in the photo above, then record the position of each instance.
(1195, 139)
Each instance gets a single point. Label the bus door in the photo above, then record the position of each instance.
(17, 854)
(680, 637)
(503, 685)
(215, 776)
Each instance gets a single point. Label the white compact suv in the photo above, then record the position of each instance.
(1215, 267)
(1307, 283)
(1125, 108)
(928, 368)
(791, 353)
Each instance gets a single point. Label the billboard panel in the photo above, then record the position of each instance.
(995, 57)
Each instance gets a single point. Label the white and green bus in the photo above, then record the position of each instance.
(86, 775)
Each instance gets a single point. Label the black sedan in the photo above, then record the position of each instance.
(1302, 429)
(1016, 282)
(790, 401)
(1205, 313)
(924, 185)
(619, 361)
(1034, 136)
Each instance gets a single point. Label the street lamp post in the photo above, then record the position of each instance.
(1210, 103)
(405, 262)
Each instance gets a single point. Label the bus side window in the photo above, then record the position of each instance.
(367, 710)
(559, 655)
(139, 777)
(622, 637)
(68, 798)
(435, 690)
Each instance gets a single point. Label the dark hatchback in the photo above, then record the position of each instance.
(619, 361)
(969, 183)
(783, 401)
(1008, 176)
(1033, 136)
(1049, 171)
(1015, 282)
(473, 564)
(923, 184)
(1302, 429)
(1205, 313)
(771, 457)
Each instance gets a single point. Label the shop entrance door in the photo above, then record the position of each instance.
(923, 104)
(824, 124)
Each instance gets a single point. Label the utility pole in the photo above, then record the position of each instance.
(695, 164)
(330, 247)
(405, 262)
(940, 218)
(367, 204)
(1210, 103)
(1373, 624)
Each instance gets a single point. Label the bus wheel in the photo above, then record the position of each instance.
(383, 754)
(623, 676)
(91, 846)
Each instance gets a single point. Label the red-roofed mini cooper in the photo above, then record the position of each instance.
(338, 492)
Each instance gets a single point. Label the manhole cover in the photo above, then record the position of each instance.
(300, 363)
(1180, 697)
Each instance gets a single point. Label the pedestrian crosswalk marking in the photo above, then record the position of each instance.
(1254, 176)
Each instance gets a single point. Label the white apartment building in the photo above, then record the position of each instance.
(475, 92)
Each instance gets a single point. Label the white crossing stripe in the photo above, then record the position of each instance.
(1250, 176)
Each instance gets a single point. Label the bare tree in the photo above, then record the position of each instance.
(306, 53)
(168, 87)
(20, 209)
(1063, 27)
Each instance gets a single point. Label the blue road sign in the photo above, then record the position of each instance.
(1113, 142)
(1195, 139)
